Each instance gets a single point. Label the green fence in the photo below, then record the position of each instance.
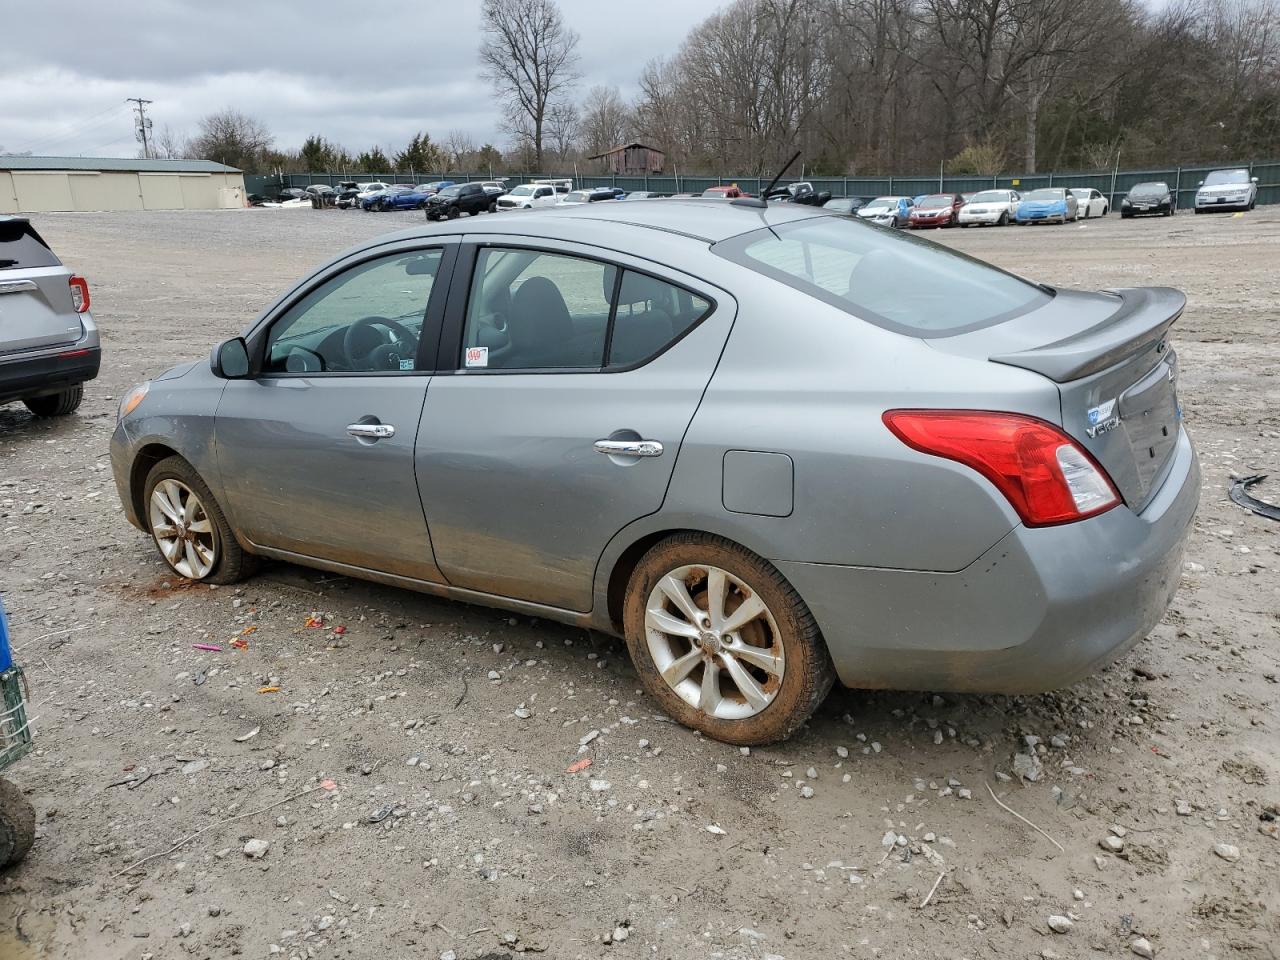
(1183, 180)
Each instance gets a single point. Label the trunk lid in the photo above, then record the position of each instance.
(36, 309)
(1109, 355)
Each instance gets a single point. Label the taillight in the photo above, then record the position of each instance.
(79, 293)
(1045, 475)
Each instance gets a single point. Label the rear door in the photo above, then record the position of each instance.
(576, 373)
(36, 309)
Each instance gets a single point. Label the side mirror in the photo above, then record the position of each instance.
(230, 359)
(1200, 184)
(1253, 179)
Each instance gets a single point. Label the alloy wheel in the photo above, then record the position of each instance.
(714, 641)
(182, 529)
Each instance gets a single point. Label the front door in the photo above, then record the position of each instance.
(316, 452)
(576, 380)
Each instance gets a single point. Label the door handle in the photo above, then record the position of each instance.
(371, 431)
(629, 448)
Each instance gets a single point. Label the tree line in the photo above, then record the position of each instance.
(861, 87)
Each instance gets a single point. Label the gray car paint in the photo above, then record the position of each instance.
(918, 571)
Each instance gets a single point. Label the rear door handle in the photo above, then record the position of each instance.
(629, 448)
(371, 431)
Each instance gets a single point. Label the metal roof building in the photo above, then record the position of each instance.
(42, 184)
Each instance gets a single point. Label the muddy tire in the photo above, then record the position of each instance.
(189, 528)
(17, 824)
(56, 404)
(722, 640)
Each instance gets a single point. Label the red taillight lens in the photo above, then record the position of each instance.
(79, 293)
(1046, 476)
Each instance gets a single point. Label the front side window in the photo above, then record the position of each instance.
(366, 319)
(893, 280)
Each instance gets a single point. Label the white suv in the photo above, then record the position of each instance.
(1227, 190)
(540, 193)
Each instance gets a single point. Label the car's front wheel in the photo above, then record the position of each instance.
(56, 404)
(189, 528)
(454, 213)
(723, 641)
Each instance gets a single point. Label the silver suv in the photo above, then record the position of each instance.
(48, 341)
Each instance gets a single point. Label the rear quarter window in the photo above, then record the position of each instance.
(21, 246)
(896, 281)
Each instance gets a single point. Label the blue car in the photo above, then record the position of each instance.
(390, 198)
(1047, 205)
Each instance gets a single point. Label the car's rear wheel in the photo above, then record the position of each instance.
(493, 207)
(723, 641)
(189, 528)
(56, 404)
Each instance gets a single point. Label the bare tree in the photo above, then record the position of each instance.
(458, 146)
(530, 56)
(564, 122)
(233, 138)
(605, 120)
(168, 145)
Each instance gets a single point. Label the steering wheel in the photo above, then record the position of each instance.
(385, 356)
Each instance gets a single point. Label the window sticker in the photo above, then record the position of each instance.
(477, 357)
(406, 364)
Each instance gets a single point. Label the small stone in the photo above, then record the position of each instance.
(256, 849)
(745, 751)
(620, 933)
(930, 837)
(449, 955)
(811, 773)
(1100, 862)
(599, 786)
(522, 713)
(875, 746)
(588, 737)
(1142, 947)
(494, 675)
(1111, 844)
(1077, 894)
(964, 793)
(1060, 924)
(806, 792)
(1117, 830)
(842, 752)
(1228, 852)
(1182, 808)
(325, 922)
(1027, 766)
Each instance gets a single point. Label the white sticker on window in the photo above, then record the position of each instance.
(406, 364)
(477, 356)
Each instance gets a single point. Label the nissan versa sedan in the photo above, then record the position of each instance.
(768, 446)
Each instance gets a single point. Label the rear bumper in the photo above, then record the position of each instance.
(46, 372)
(1040, 610)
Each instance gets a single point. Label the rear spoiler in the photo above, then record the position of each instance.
(1142, 320)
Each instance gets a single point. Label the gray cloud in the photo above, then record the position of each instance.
(357, 78)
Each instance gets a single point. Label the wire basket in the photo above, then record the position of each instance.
(15, 727)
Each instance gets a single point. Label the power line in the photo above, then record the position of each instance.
(144, 125)
(72, 129)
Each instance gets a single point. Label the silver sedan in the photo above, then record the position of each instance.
(770, 447)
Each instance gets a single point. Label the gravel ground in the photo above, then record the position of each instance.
(406, 810)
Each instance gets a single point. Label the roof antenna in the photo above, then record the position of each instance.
(761, 201)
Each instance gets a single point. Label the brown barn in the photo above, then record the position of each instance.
(632, 160)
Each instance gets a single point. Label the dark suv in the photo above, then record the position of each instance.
(48, 341)
(451, 202)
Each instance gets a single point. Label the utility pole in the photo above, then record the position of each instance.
(143, 126)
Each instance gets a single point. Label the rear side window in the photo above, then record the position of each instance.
(651, 314)
(891, 279)
(21, 246)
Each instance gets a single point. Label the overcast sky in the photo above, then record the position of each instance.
(365, 78)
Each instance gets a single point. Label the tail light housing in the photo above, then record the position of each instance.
(79, 293)
(1046, 476)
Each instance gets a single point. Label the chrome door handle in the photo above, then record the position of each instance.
(371, 431)
(629, 448)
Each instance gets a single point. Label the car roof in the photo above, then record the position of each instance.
(708, 220)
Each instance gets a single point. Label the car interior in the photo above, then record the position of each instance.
(536, 310)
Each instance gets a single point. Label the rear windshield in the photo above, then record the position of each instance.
(891, 279)
(990, 196)
(21, 246)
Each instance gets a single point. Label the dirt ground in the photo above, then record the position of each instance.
(450, 827)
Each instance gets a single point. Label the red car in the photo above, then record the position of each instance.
(936, 210)
(724, 193)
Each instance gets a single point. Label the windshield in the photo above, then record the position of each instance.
(936, 200)
(449, 192)
(899, 282)
(884, 202)
(522, 192)
(1219, 177)
(1149, 190)
(1080, 193)
(990, 196)
(840, 203)
(1043, 196)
